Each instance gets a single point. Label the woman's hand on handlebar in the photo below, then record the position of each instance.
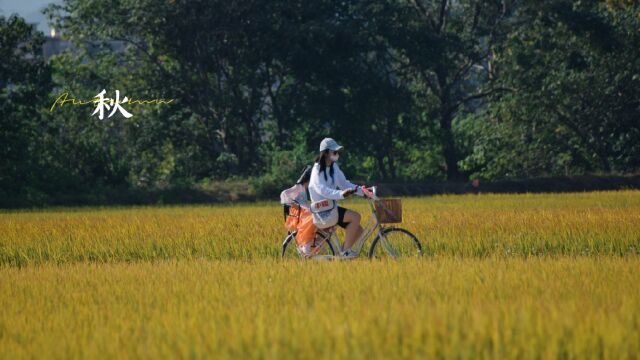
(364, 191)
(368, 192)
(348, 192)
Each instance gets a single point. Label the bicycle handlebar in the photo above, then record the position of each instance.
(369, 193)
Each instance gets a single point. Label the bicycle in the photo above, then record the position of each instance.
(389, 241)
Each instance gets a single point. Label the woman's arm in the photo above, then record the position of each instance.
(322, 189)
(342, 182)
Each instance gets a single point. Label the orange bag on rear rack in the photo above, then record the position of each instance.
(300, 219)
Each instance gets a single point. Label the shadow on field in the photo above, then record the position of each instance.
(241, 191)
(516, 186)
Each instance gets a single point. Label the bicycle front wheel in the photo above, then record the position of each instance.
(395, 243)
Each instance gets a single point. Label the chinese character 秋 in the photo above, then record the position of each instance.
(110, 104)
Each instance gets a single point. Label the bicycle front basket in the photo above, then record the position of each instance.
(389, 211)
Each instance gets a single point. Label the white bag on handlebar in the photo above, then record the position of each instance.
(325, 213)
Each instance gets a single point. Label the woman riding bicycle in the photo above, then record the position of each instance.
(326, 176)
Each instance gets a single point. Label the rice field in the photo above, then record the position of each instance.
(503, 276)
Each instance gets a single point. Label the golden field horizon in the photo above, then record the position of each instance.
(503, 276)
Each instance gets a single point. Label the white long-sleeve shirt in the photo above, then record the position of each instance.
(320, 189)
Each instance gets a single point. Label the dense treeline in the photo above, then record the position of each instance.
(414, 89)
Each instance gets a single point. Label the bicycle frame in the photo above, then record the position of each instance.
(372, 224)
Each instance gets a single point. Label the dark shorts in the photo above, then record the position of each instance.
(341, 212)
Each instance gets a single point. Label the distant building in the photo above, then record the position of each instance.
(54, 45)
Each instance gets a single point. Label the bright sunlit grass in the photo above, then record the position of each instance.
(605, 223)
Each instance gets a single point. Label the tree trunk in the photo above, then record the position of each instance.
(446, 135)
(449, 146)
(390, 137)
(381, 167)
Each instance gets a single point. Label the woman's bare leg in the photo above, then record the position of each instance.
(353, 229)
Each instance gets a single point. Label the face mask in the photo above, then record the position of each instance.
(334, 158)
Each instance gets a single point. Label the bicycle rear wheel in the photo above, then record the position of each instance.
(290, 249)
(395, 243)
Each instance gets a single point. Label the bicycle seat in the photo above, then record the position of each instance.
(327, 230)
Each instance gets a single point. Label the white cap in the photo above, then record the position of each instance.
(329, 144)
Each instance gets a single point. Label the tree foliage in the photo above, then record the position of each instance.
(414, 89)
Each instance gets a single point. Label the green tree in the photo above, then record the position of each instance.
(444, 50)
(25, 82)
(577, 102)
